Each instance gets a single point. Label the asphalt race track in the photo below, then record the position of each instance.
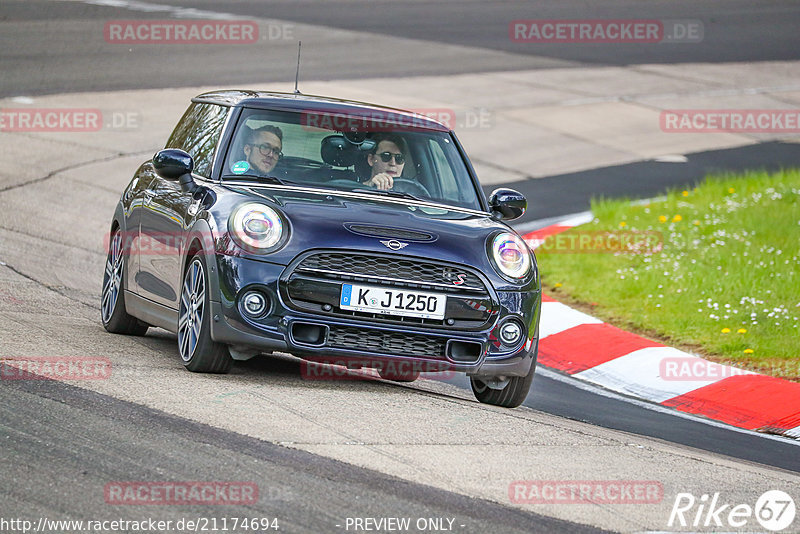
(70, 428)
(324, 453)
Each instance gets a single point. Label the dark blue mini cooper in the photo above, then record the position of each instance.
(337, 231)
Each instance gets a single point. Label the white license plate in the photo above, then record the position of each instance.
(390, 301)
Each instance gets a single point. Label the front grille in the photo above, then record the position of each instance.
(349, 266)
(392, 343)
(313, 284)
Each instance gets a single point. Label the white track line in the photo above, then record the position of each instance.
(640, 373)
(542, 223)
(560, 317)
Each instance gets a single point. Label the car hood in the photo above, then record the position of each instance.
(333, 220)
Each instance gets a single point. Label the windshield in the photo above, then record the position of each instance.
(380, 158)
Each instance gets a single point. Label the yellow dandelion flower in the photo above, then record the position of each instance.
(685, 193)
(731, 190)
(558, 284)
(662, 218)
(677, 218)
(623, 224)
(748, 351)
(696, 222)
(742, 331)
(726, 330)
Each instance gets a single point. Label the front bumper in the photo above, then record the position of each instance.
(357, 339)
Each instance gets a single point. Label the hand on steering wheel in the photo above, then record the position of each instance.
(381, 181)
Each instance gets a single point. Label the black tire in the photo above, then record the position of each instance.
(113, 313)
(199, 353)
(511, 396)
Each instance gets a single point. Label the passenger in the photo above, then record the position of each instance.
(263, 148)
(386, 161)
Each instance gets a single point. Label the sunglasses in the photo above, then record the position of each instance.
(386, 157)
(267, 149)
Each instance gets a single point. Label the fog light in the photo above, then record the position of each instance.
(254, 303)
(510, 333)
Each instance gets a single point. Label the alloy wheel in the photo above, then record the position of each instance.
(193, 297)
(112, 280)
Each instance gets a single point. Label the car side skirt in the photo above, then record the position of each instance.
(151, 312)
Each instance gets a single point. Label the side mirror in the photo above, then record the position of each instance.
(174, 164)
(508, 204)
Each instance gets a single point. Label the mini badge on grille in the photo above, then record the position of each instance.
(394, 244)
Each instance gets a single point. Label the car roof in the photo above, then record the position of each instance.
(319, 104)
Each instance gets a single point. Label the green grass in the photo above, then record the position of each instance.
(730, 257)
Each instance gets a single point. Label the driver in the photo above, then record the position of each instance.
(386, 160)
(263, 148)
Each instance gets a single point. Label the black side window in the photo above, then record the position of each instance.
(198, 133)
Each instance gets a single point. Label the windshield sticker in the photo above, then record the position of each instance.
(240, 167)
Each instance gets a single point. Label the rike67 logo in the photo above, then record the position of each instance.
(774, 510)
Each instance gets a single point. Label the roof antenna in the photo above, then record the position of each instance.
(297, 74)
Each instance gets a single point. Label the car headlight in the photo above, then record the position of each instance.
(256, 228)
(511, 255)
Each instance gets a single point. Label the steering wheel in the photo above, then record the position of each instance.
(404, 185)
